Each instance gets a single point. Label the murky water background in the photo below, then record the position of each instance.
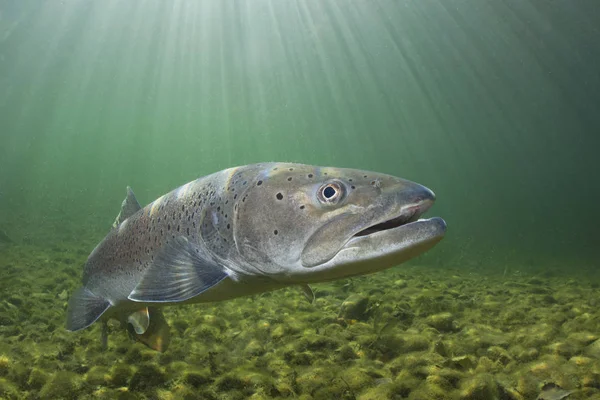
(493, 105)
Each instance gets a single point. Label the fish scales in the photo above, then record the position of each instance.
(247, 230)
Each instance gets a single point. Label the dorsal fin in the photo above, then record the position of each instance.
(129, 207)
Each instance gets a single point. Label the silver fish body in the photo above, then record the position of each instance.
(247, 230)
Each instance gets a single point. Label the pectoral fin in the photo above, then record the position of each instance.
(157, 336)
(178, 273)
(308, 293)
(139, 320)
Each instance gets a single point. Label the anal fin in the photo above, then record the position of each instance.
(309, 295)
(178, 273)
(84, 309)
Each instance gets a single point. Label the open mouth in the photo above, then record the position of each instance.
(410, 215)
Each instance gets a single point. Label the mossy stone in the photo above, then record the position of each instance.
(97, 375)
(120, 374)
(315, 378)
(479, 387)
(346, 353)
(5, 364)
(499, 354)
(254, 348)
(443, 322)
(356, 378)
(593, 350)
(229, 382)
(8, 390)
(37, 378)
(197, 377)
(355, 307)
(146, 377)
(63, 384)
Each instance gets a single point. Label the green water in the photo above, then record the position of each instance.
(492, 104)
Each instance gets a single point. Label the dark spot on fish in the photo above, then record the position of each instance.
(275, 231)
(291, 169)
(353, 187)
(258, 183)
(177, 228)
(245, 182)
(310, 175)
(365, 176)
(168, 227)
(188, 231)
(158, 219)
(228, 226)
(302, 207)
(350, 180)
(279, 196)
(290, 179)
(183, 207)
(219, 208)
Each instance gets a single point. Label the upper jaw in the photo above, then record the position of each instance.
(422, 200)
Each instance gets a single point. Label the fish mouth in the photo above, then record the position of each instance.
(405, 218)
(408, 214)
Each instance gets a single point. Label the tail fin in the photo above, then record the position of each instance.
(84, 309)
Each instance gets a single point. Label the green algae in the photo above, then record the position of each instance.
(416, 333)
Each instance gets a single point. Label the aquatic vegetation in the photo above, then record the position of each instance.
(401, 345)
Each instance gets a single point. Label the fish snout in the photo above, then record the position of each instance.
(414, 199)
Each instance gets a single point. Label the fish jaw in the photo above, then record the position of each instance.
(366, 254)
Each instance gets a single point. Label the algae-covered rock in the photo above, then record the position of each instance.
(197, 377)
(230, 381)
(355, 307)
(499, 354)
(63, 384)
(5, 364)
(356, 378)
(37, 378)
(346, 353)
(479, 387)
(146, 377)
(381, 392)
(429, 390)
(443, 322)
(120, 374)
(314, 378)
(463, 363)
(8, 390)
(97, 375)
(254, 348)
(400, 284)
(593, 350)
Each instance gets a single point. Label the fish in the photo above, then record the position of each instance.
(247, 230)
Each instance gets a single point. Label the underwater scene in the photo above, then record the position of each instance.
(289, 199)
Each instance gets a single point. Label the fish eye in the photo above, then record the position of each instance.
(330, 193)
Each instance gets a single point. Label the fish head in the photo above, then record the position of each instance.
(301, 224)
